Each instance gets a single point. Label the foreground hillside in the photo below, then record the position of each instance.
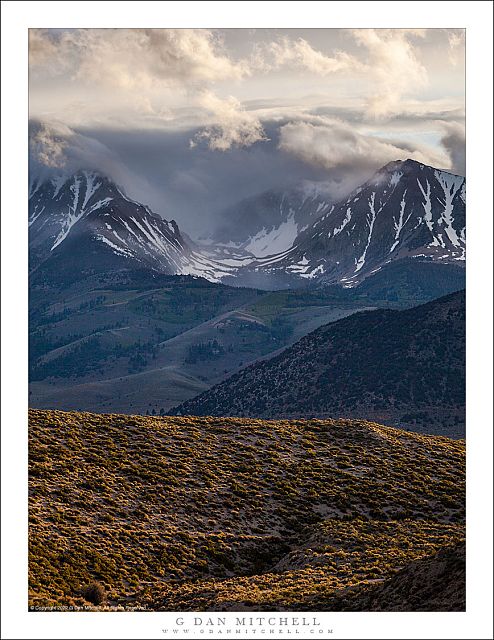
(237, 514)
(405, 368)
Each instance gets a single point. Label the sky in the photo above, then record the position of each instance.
(190, 121)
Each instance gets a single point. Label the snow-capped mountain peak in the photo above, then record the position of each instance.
(406, 210)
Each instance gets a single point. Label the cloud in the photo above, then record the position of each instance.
(194, 186)
(300, 53)
(142, 63)
(334, 143)
(137, 58)
(233, 126)
(55, 148)
(347, 155)
(456, 42)
(392, 66)
(182, 78)
(44, 53)
(453, 141)
(47, 144)
(158, 168)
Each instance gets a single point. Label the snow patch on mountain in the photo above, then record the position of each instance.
(73, 215)
(319, 270)
(58, 182)
(370, 221)
(451, 185)
(116, 249)
(395, 178)
(427, 204)
(91, 186)
(199, 265)
(35, 215)
(346, 220)
(399, 224)
(267, 243)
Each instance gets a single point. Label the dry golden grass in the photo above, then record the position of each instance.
(231, 513)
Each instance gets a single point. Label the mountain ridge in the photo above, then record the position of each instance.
(407, 210)
(84, 223)
(378, 364)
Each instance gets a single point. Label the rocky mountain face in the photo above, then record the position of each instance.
(83, 224)
(404, 368)
(406, 210)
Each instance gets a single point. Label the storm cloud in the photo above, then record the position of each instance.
(190, 121)
(349, 156)
(454, 143)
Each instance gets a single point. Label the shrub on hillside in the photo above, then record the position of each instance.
(94, 593)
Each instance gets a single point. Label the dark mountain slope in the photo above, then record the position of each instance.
(406, 280)
(401, 367)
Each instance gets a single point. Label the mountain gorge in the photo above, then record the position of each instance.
(270, 222)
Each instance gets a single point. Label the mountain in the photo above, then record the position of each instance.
(214, 514)
(269, 223)
(405, 368)
(83, 224)
(406, 210)
(130, 315)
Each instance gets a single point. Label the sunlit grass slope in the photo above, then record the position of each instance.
(233, 513)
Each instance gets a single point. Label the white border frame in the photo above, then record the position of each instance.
(476, 17)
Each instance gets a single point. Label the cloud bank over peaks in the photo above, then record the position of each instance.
(233, 126)
(159, 77)
(348, 155)
(55, 149)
